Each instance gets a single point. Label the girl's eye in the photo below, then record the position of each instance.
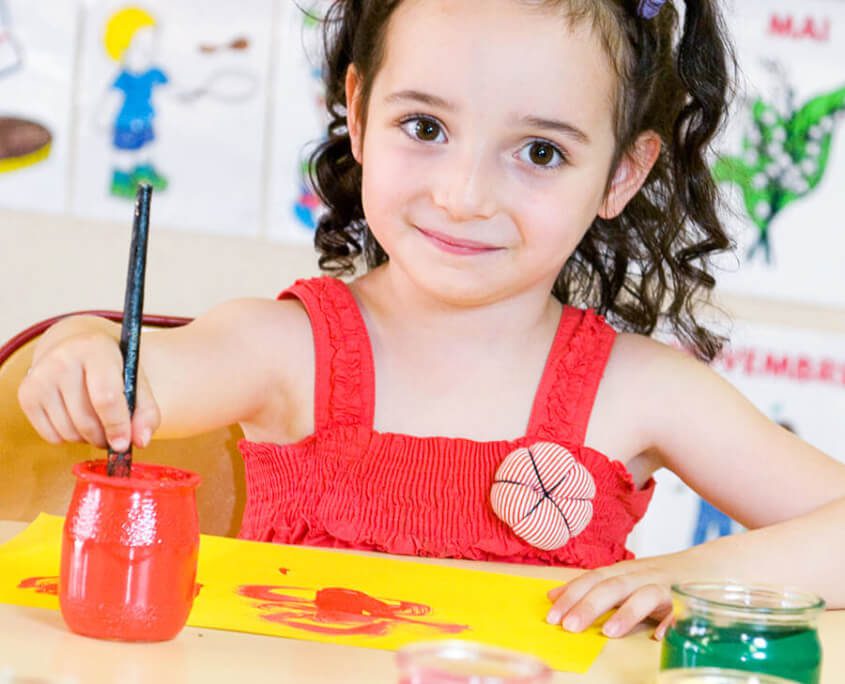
(543, 154)
(422, 128)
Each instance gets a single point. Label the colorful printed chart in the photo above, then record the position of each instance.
(174, 94)
(333, 597)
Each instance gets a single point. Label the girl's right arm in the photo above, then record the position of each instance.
(226, 366)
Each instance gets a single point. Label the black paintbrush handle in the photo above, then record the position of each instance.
(120, 464)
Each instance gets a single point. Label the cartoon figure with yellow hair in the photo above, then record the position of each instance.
(130, 40)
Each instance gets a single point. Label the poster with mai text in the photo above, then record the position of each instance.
(781, 160)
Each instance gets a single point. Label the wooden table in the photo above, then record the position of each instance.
(35, 643)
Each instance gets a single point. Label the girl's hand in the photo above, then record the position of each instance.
(640, 590)
(74, 391)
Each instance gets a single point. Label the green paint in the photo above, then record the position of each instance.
(789, 651)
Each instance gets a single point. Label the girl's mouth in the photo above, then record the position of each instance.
(453, 245)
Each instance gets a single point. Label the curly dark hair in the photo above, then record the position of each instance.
(650, 265)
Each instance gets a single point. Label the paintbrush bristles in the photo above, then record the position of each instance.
(119, 464)
(133, 309)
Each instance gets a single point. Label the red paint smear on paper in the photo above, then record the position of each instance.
(335, 610)
(41, 585)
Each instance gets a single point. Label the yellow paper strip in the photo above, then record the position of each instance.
(302, 592)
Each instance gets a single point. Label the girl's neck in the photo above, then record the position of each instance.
(391, 299)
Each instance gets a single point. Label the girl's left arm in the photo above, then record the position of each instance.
(790, 495)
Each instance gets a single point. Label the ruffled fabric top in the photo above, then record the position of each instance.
(349, 486)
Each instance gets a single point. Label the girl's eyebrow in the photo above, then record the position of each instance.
(419, 97)
(563, 127)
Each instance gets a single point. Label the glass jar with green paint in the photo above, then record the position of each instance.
(763, 629)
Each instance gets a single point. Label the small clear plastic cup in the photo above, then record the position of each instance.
(717, 675)
(467, 662)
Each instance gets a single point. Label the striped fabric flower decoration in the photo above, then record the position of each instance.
(544, 495)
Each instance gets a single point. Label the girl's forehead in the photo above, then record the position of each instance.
(481, 51)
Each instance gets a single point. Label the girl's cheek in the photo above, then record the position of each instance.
(397, 175)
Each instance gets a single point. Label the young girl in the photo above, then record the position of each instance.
(494, 162)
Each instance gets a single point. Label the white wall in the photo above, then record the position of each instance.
(53, 264)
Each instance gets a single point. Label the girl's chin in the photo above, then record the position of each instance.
(462, 289)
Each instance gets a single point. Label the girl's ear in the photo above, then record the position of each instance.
(353, 111)
(630, 174)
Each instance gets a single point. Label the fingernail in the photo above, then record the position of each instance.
(610, 629)
(120, 444)
(553, 618)
(572, 624)
(146, 435)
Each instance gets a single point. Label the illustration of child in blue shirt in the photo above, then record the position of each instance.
(130, 39)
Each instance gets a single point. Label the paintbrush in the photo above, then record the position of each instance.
(120, 463)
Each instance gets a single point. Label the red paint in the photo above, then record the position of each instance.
(335, 610)
(129, 552)
(41, 585)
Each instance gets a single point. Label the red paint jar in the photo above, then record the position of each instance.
(129, 552)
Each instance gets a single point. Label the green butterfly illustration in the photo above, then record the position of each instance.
(783, 158)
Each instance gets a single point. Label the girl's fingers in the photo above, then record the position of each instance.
(554, 594)
(589, 576)
(41, 422)
(604, 596)
(147, 417)
(30, 402)
(570, 594)
(665, 624)
(56, 410)
(81, 411)
(74, 392)
(643, 603)
(104, 385)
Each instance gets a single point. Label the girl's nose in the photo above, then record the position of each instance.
(464, 188)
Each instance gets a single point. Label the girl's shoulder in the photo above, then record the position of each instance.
(260, 325)
(636, 355)
(644, 385)
(664, 378)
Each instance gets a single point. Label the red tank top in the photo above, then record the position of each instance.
(349, 486)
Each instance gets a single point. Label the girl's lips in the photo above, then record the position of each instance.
(453, 245)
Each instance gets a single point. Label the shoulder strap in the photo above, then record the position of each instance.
(571, 378)
(344, 383)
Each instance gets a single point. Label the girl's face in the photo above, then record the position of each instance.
(488, 144)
